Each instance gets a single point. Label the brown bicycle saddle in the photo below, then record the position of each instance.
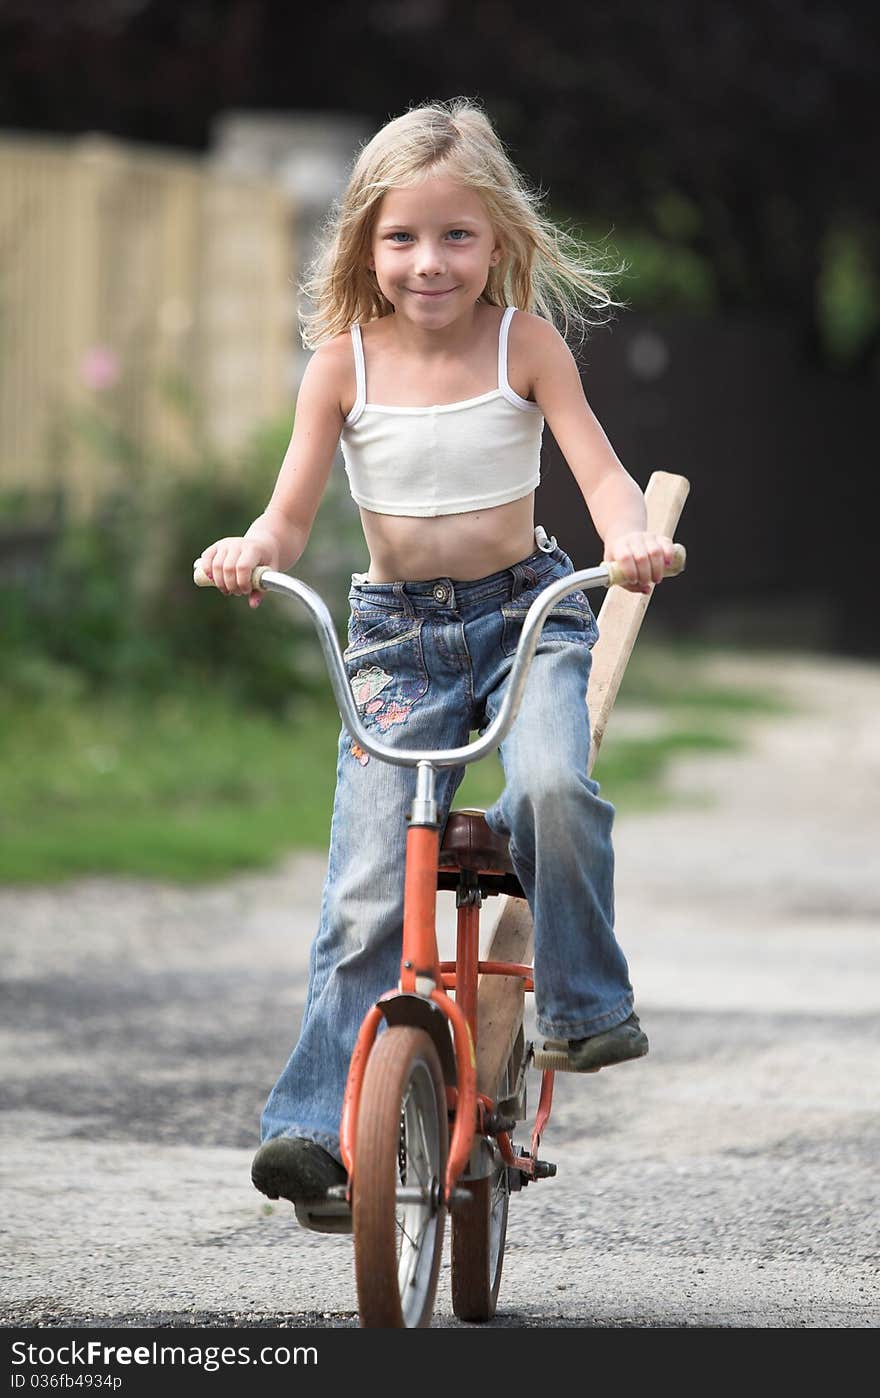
(469, 845)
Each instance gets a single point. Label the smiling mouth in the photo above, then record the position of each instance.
(433, 293)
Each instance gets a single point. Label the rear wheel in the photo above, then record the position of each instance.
(479, 1228)
(399, 1169)
(479, 1231)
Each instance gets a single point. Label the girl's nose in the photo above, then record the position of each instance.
(429, 260)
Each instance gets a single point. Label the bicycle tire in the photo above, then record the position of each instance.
(479, 1233)
(402, 1140)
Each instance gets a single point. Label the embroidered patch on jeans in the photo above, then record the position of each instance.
(391, 713)
(383, 713)
(367, 683)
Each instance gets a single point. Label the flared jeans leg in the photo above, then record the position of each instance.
(355, 956)
(560, 843)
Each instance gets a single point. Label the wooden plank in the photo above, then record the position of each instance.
(500, 999)
(622, 612)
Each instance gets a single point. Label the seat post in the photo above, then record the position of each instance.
(467, 947)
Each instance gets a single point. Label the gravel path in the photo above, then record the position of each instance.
(727, 1180)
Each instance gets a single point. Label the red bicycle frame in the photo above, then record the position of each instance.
(422, 974)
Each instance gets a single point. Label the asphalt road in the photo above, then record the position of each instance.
(728, 1180)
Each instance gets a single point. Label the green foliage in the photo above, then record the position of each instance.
(113, 603)
(662, 271)
(668, 269)
(848, 294)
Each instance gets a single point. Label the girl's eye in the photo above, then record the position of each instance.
(457, 235)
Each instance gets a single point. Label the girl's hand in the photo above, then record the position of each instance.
(230, 563)
(642, 557)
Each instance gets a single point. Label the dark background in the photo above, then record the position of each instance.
(736, 140)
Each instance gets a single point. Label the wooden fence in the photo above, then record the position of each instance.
(141, 293)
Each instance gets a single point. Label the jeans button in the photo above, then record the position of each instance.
(441, 593)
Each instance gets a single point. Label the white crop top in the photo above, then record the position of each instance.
(446, 459)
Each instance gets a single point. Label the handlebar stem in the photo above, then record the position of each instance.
(424, 807)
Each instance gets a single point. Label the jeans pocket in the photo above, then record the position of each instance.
(385, 663)
(571, 620)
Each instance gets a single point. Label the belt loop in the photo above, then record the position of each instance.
(402, 598)
(523, 577)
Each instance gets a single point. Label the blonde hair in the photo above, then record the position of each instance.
(543, 269)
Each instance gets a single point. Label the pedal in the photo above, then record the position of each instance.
(544, 1170)
(553, 1058)
(325, 1218)
(541, 1170)
(328, 1215)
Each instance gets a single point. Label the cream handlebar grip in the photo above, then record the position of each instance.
(201, 579)
(616, 575)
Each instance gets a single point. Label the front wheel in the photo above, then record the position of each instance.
(399, 1170)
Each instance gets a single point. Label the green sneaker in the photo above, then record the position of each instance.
(624, 1041)
(295, 1169)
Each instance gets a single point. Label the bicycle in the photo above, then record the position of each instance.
(417, 1138)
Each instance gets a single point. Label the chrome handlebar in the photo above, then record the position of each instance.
(266, 580)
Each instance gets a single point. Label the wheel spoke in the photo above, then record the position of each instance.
(426, 1152)
(412, 1242)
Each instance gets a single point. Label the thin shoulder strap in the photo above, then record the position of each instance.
(360, 374)
(510, 393)
(503, 333)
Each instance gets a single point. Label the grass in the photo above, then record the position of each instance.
(192, 787)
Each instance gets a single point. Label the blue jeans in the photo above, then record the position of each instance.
(428, 662)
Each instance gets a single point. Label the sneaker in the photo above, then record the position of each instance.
(626, 1040)
(292, 1168)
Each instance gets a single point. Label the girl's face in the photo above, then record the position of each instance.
(431, 250)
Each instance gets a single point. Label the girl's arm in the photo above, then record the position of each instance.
(278, 537)
(614, 500)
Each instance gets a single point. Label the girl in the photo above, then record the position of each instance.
(436, 365)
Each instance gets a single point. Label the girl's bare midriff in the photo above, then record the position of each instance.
(461, 546)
